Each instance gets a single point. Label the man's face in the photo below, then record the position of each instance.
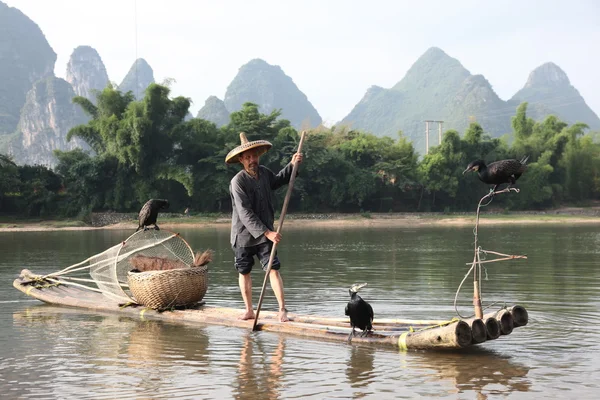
(249, 160)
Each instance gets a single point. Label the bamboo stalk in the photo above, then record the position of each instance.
(478, 330)
(519, 314)
(477, 299)
(505, 320)
(286, 202)
(376, 321)
(492, 328)
(455, 335)
(502, 254)
(499, 259)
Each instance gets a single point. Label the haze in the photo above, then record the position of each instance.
(333, 50)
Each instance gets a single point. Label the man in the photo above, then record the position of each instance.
(252, 232)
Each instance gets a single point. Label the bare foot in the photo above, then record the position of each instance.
(283, 317)
(247, 315)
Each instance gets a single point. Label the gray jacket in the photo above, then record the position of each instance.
(252, 201)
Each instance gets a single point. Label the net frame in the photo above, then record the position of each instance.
(109, 268)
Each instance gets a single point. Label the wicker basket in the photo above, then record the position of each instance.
(170, 288)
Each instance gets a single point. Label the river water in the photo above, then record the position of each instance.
(57, 352)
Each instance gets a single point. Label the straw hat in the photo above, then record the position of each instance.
(262, 145)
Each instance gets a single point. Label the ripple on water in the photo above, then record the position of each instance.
(53, 352)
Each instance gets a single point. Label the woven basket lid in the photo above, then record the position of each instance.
(262, 145)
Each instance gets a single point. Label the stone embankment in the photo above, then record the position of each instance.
(111, 218)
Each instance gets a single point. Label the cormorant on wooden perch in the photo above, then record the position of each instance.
(149, 213)
(359, 311)
(498, 172)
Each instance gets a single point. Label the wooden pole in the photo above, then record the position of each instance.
(426, 137)
(281, 219)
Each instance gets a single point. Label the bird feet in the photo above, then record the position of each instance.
(146, 228)
(156, 228)
(365, 333)
(351, 335)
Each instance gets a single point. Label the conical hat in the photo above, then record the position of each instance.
(262, 145)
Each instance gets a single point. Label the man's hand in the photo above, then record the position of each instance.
(273, 236)
(297, 158)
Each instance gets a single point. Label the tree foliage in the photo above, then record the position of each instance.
(144, 149)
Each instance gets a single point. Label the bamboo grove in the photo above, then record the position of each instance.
(144, 149)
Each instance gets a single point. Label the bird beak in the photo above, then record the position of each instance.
(359, 286)
(466, 170)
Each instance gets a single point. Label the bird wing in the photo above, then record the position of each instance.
(145, 212)
(371, 314)
(347, 311)
(506, 168)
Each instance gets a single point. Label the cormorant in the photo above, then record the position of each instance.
(498, 172)
(359, 311)
(149, 213)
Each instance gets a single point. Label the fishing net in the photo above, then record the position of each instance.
(142, 251)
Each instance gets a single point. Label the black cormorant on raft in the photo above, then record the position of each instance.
(359, 311)
(149, 213)
(498, 172)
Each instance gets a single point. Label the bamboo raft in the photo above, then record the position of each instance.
(396, 333)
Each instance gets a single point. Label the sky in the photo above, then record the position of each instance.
(334, 50)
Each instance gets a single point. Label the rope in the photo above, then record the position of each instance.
(412, 330)
(40, 283)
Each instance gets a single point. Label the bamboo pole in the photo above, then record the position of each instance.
(505, 320)
(286, 201)
(455, 335)
(376, 321)
(519, 314)
(478, 330)
(492, 328)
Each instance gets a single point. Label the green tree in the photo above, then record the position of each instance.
(138, 140)
(9, 179)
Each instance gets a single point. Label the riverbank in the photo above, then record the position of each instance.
(571, 216)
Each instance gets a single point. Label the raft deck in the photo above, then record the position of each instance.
(402, 334)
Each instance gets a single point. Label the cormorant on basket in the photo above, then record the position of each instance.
(149, 213)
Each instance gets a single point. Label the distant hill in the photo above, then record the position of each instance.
(214, 110)
(25, 57)
(86, 72)
(269, 87)
(438, 87)
(46, 118)
(139, 77)
(549, 86)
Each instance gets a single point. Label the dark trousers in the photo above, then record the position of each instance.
(244, 257)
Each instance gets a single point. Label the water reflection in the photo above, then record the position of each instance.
(121, 353)
(259, 375)
(478, 370)
(359, 370)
